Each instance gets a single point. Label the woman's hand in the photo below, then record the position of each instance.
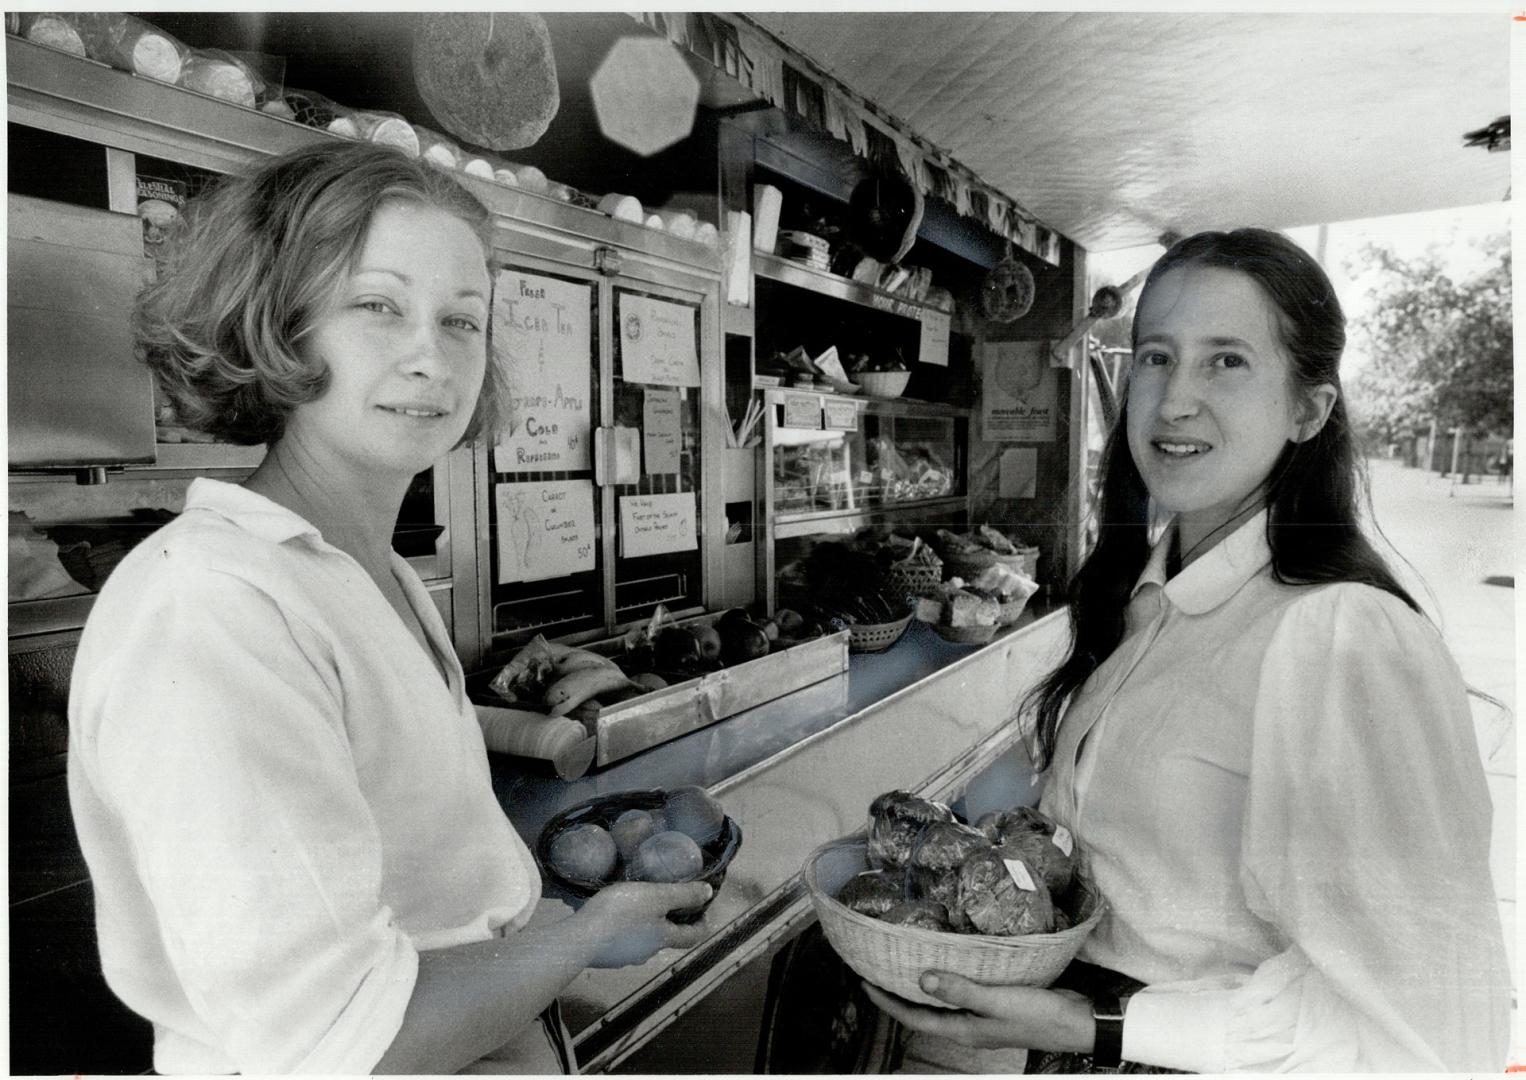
(629, 920)
(996, 1016)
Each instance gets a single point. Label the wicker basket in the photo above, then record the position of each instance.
(965, 635)
(914, 577)
(877, 637)
(969, 564)
(894, 957)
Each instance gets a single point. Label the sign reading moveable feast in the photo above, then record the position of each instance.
(657, 342)
(545, 530)
(1018, 392)
(541, 331)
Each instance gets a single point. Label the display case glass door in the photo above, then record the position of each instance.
(545, 510)
(657, 512)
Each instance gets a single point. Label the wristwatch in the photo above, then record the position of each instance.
(1107, 1047)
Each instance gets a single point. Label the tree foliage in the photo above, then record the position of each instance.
(1438, 347)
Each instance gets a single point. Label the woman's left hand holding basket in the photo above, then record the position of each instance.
(995, 1016)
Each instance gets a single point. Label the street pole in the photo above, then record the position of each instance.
(1456, 449)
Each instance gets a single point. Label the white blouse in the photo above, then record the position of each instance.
(280, 800)
(1280, 796)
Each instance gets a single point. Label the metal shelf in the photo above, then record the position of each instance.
(786, 272)
(74, 96)
(908, 407)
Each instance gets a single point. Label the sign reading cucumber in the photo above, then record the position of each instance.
(545, 530)
(541, 332)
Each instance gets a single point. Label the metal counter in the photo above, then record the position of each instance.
(927, 715)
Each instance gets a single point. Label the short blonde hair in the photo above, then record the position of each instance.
(253, 266)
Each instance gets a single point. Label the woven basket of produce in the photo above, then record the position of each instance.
(876, 637)
(627, 835)
(894, 956)
(914, 577)
(965, 635)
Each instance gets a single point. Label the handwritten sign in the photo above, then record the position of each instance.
(802, 410)
(841, 415)
(935, 329)
(653, 524)
(1018, 392)
(545, 530)
(657, 342)
(661, 429)
(541, 331)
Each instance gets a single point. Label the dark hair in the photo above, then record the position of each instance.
(1317, 486)
(253, 266)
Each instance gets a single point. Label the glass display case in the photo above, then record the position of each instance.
(837, 464)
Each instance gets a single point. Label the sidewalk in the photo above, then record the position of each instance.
(1460, 539)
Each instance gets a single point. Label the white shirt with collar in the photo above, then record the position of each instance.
(280, 800)
(1278, 791)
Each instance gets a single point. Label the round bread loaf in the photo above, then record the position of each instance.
(489, 78)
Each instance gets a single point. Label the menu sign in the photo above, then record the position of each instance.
(661, 429)
(542, 334)
(934, 345)
(653, 524)
(545, 530)
(657, 342)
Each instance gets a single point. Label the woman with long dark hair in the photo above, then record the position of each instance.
(1260, 743)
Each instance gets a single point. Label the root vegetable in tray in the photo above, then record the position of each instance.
(896, 821)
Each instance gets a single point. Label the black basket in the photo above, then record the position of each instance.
(603, 811)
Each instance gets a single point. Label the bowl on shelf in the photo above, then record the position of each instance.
(886, 384)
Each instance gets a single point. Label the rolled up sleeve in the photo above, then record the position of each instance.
(221, 747)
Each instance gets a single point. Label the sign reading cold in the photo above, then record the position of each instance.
(542, 336)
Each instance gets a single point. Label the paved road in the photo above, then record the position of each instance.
(1461, 541)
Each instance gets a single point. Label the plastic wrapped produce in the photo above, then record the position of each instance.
(927, 914)
(1004, 895)
(896, 821)
(130, 44)
(221, 75)
(873, 892)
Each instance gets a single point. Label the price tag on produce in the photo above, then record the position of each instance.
(1062, 839)
(1019, 874)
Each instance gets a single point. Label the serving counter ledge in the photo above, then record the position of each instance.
(927, 715)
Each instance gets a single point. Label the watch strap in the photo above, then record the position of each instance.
(1107, 1046)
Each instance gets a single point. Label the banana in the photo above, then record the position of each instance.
(580, 660)
(570, 691)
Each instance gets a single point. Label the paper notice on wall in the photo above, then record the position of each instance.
(661, 429)
(658, 345)
(1018, 392)
(654, 524)
(541, 332)
(545, 530)
(1019, 473)
(935, 330)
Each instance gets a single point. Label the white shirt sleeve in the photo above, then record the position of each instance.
(1366, 847)
(221, 746)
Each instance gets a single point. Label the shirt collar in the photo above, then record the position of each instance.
(249, 510)
(1215, 577)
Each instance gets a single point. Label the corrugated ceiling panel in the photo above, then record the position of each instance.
(1115, 127)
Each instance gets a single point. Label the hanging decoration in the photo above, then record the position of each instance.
(1007, 292)
(788, 80)
(488, 77)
